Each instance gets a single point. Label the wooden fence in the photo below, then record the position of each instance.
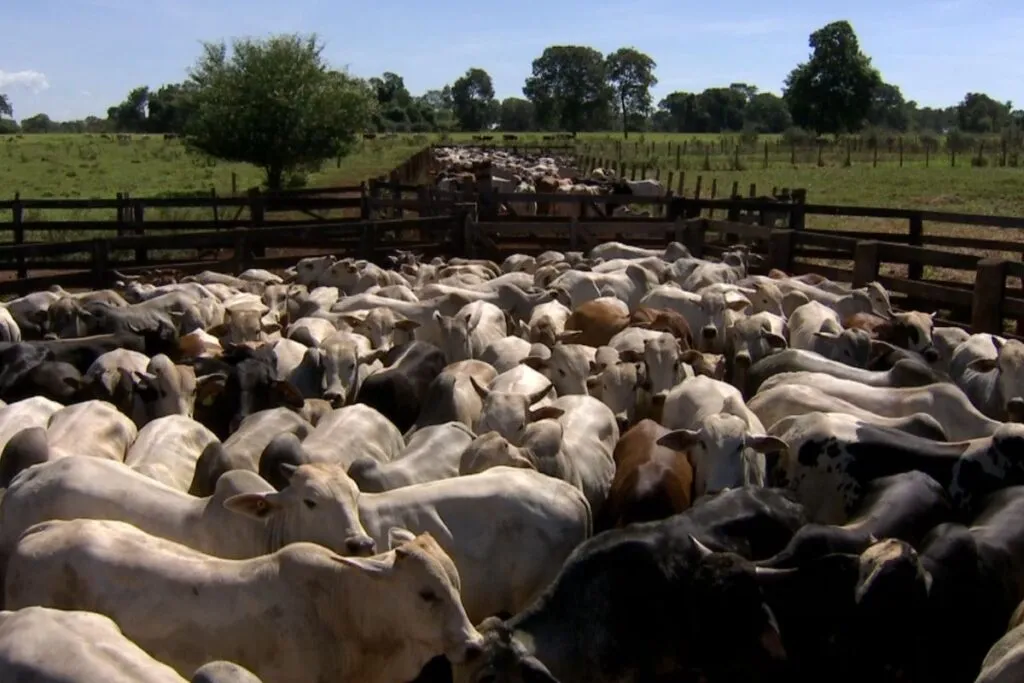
(983, 307)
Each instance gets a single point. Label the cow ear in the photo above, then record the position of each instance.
(569, 335)
(352, 320)
(546, 413)
(680, 439)
(255, 505)
(398, 536)
(983, 364)
(765, 444)
(826, 335)
(373, 356)
(406, 325)
(776, 341)
(288, 394)
(535, 362)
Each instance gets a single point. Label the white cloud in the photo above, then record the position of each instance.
(30, 80)
(86, 93)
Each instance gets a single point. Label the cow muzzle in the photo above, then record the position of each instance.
(360, 546)
(742, 361)
(709, 332)
(931, 354)
(1015, 409)
(336, 397)
(468, 650)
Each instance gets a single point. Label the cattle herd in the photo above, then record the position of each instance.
(624, 465)
(458, 169)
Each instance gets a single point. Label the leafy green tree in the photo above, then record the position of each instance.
(569, 88)
(516, 115)
(888, 108)
(722, 109)
(979, 113)
(40, 123)
(130, 115)
(767, 113)
(168, 109)
(390, 89)
(473, 100)
(274, 103)
(832, 91)
(631, 74)
(5, 106)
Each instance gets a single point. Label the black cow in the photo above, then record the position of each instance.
(977, 582)
(905, 506)
(398, 391)
(27, 370)
(648, 603)
(244, 381)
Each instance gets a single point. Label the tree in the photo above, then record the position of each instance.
(979, 113)
(767, 113)
(631, 74)
(888, 108)
(831, 92)
(516, 115)
(130, 115)
(569, 88)
(168, 109)
(722, 109)
(680, 112)
(5, 106)
(391, 90)
(40, 123)
(274, 103)
(473, 100)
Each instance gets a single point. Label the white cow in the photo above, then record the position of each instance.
(990, 370)
(245, 517)
(43, 645)
(355, 431)
(433, 453)
(945, 402)
(575, 445)
(301, 614)
(508, 530)
(168, 448)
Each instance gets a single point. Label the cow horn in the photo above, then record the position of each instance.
(774, 572)
(482, 392)
(538, 395)
(702, 549)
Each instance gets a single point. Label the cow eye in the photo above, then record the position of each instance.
(311, 504)
(428, 596)
(561, 373)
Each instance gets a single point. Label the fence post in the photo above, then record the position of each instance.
(734, 197)
(367, 241)
(901, 151)
(694, 237)
(216, 211)
(257, 208)
(241, 248)
(766, 154)
(866, 257)
(139, 217)
(396, 194)
(797, 215)
(100, 262)
(364, 202)
(780, 250)
(469, 230)
(915, 271)
(989, 286)
(17, 218)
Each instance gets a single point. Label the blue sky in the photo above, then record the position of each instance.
(71, 58)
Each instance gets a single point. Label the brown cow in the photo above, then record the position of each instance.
(595, 322)
(651, 482)
(911, 331)
(663, 320)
